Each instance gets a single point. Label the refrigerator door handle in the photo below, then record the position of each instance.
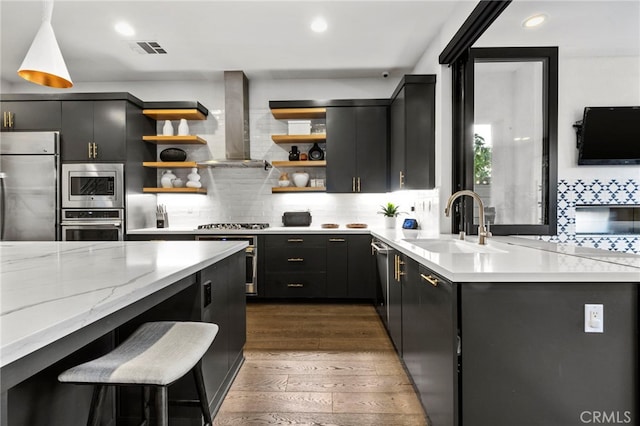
(2, 204)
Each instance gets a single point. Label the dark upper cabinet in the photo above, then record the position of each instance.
(94, 131)
(413, 133)
(31, 115)
(357, 149)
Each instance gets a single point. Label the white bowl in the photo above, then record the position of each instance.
(284, 183)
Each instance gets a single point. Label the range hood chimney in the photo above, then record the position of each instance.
(236, 124)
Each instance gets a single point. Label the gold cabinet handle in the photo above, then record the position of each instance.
(95, 150)
(401, 179)
(295, 240)
(7, 119)
(337, 240)
(353, 184)
(295, 259)
(358, 185)
(295, 285)
(400, 273)
(90, 153)
(430, 279)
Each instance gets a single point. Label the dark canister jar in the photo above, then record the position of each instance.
(316, 153)
(294, 154)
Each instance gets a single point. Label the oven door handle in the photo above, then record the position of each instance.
(117, 224)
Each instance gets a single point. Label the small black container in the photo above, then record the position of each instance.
(173, 154)
(294, 154)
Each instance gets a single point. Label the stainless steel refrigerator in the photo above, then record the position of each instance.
(29, 182)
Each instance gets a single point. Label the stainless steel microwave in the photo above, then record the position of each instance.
(99, 185)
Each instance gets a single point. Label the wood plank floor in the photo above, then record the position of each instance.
(319, 364)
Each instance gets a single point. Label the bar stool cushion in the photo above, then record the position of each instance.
(157, 353)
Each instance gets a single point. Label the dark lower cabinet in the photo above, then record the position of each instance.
(437, 372)
(335, 266)
(31, 115)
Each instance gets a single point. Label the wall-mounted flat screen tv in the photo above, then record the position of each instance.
(609, 135)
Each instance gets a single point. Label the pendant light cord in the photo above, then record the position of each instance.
(47, 10)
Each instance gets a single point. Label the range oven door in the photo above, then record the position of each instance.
(251, 252)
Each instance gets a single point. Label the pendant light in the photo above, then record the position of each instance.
(44, 63)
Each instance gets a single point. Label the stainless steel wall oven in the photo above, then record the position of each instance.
(251, 270)
(92, 225)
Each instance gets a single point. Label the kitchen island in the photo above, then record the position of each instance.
(502, 334)
(65, 302)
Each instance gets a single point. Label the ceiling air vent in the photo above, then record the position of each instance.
(148, 47)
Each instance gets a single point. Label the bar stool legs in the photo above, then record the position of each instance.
(97, 400)
(202, 394)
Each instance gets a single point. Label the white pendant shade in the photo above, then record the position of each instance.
(44, 63)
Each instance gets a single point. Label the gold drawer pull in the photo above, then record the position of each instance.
(295, 259)
(295, 285)
(337, 240)
(295, 240)
(431, 280)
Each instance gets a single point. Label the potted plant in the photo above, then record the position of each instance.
(390, 212)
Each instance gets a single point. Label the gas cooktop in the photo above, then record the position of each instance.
(226, 226)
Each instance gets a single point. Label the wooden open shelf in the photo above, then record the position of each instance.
(175, 140)
(316, 137)
(170, 164)
(279, 189)
(174, 114)
(306, 163)
(298, 113)
(176, 190)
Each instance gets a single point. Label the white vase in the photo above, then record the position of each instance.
(300, 179)
(167, 129)
(389, 222)
(166, 181)
(183, 127)
(177, 183)
(193, 179)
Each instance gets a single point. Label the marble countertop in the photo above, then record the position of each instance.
(49, 290)
(513, 259)
(314, 229)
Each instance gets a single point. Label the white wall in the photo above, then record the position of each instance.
(429, 64)
(593, 81)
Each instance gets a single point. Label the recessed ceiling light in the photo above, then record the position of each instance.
(319, 25)
(124, 29)
(534, 21)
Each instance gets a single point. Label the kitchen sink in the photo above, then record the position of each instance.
(451, 246)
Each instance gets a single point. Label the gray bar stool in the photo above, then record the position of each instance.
(155, 355)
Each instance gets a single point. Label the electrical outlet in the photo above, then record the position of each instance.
(594, 318)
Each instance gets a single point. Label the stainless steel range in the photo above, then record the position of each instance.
(251, 250)
(234, 226)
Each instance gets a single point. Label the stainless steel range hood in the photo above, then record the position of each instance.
(236, 124)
